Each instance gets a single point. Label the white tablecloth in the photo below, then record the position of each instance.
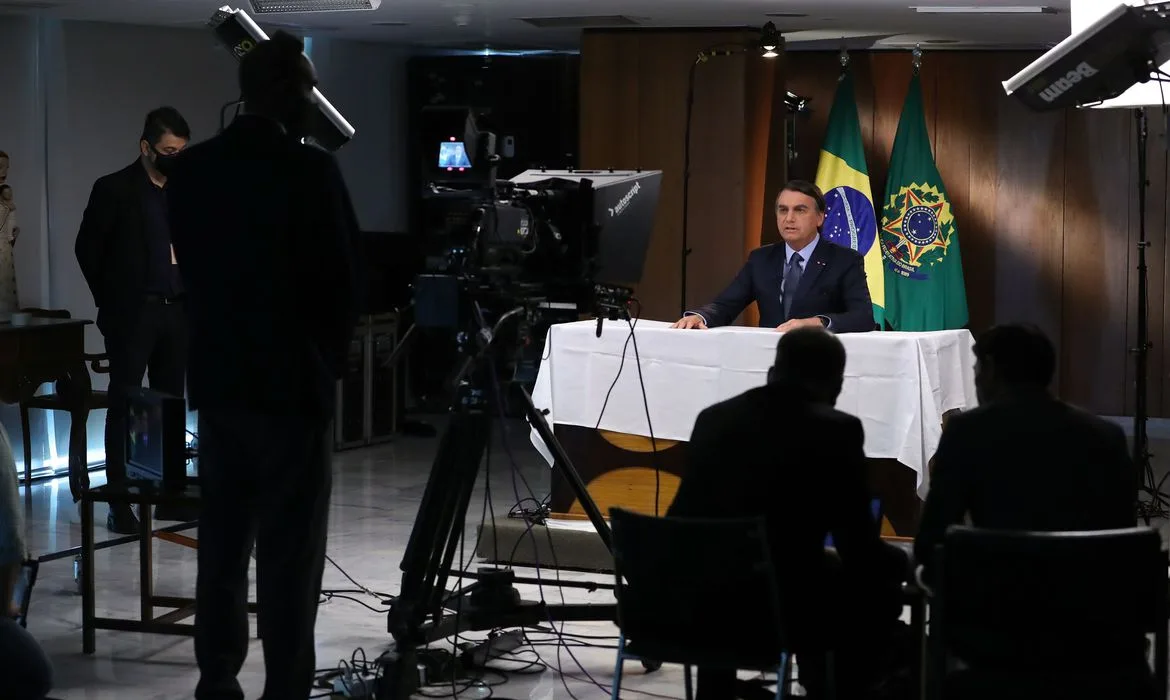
(898, 384)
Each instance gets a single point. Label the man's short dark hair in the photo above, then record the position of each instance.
(270, 67)
(808, 189)
(162, 121)
(3, 155)
(1021, 354)
(810, 356)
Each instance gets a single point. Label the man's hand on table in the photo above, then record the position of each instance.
(692, 321)
(793, 324)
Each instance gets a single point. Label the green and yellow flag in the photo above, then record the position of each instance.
(850, 220)
(919, 238)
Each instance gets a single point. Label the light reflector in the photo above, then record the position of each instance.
(1082, 14)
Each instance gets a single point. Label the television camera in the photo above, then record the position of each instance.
(503, 255)
(541, 240)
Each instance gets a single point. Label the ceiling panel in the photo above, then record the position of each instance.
(807, 23)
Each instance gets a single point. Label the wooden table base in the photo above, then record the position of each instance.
(627, 471)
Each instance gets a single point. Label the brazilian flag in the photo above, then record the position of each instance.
(919, 238)
(843, 177)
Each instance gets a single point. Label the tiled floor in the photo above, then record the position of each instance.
(375, 497)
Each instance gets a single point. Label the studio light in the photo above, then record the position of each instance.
(239, 34)
(272, 7)
(794, 102)
(769, 40)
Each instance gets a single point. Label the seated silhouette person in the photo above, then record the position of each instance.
(1025, 460)
(783, 452)
(806, 281)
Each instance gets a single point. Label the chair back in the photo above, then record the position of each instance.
(1049, 600)
(697, 591)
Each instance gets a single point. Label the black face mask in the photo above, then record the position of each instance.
(163, 161)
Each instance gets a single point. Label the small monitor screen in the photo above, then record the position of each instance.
(144, 436)
(155, 438)
(453, 156)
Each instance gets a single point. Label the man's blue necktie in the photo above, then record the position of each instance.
(791, 283)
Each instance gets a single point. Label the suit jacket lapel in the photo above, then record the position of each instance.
(812, 269)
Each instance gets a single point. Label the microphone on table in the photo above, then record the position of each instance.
(600, 321)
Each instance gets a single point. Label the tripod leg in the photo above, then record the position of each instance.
(448, 488)
(562, 462)
(472, 444)
(437, 529)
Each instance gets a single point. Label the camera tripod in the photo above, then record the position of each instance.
(424, 610)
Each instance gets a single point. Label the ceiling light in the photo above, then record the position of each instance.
(984, 10)
(278, 6)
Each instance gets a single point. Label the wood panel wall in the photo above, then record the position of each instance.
(633, 112)
(1045, 203)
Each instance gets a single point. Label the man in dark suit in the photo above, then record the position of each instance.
(1024, 460)
(806, 282)
(125, 253)
(782, 451)
(265, 230)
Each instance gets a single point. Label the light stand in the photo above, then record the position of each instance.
(1158, 504)
(702, 57)
(769, 42)
(1096, 67)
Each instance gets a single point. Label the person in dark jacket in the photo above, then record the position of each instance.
(125, 251)
(265, 232)
(782, 451)
(806, 281)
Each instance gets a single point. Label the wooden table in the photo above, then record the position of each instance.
(51, 350)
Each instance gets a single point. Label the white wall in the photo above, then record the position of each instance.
(76, 96)
(367, 84)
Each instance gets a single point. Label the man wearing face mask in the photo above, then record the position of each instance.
(265, 229)
(125, 253)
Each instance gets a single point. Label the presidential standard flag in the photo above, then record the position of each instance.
(919, 239)
(843, 177)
